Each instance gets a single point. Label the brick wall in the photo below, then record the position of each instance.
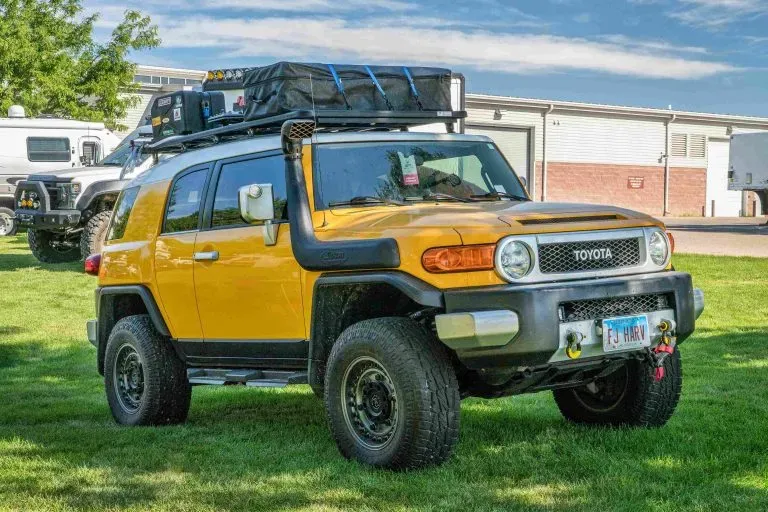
(608, 184)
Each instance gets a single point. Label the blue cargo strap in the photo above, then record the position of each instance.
(413, 87)
(378, 86)
(339, 84)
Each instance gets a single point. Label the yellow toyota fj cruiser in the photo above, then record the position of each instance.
(395, 273)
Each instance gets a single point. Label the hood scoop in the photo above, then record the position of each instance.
(532, 221)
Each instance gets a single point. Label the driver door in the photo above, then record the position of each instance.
(248, 293)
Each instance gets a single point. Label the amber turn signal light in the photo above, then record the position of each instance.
(460, 258)
(671, 243)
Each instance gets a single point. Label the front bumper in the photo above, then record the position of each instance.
(535, 336)
(44, 217)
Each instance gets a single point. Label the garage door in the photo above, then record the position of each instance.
(727, 202)
(514, 144)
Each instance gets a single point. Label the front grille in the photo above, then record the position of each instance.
(618, 306)
(565, 257)
(53, 193)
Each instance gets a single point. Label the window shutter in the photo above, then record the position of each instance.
(679, 144)
(697, 146)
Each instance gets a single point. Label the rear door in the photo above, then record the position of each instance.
(174, 250)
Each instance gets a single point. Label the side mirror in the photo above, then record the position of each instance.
(524, 181)
(256, 203)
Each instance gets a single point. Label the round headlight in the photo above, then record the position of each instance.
(514, 259)
(658, 248)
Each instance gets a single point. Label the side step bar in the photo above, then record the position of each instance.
(250, 378)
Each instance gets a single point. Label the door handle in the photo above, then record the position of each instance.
(206, 256)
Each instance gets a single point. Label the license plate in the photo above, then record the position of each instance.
(626, 332)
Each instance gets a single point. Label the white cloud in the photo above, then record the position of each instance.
(651, 45)
(335, 39)
(716, 14)
(309, 6)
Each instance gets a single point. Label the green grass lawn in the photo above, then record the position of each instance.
(270, 449)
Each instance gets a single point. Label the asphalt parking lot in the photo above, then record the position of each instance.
(728, 236)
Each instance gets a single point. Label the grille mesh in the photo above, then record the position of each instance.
(559, 257)
(618, 306)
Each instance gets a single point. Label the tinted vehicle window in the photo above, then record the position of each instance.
(48, 149)
(121, 213)
(409, 171)
(184, 202)
(226, 210)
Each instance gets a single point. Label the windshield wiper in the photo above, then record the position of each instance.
(361, 200)
(498, 195)
(437, 196)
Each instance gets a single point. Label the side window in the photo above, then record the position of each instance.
(122, 212)
(271, 169)
(183, 209)
(48, 149)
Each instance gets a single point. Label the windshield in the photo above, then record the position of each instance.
(411, 171)
(118, 157)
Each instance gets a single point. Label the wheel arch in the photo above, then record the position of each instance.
(340, 300)
(116, 302)
(97, 195)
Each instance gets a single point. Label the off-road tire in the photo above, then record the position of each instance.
(427, 393)
(644, 403)
(166, 390)
(94, 234)
(40, 245)
(8, 226)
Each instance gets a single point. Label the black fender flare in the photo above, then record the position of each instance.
(105, 313)
(327, 323)
(98, 189)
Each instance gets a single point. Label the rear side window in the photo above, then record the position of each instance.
(183, 212)
(48, 149)
(123, 209)
(226, 209)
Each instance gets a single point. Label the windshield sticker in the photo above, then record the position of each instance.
(408, 165)
(500, 189)
(177, 114)
(490, 146)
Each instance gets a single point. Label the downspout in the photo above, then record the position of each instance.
(666, 164)
(544, 155)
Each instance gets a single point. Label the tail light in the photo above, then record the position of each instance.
(92, 264)
(460, 258)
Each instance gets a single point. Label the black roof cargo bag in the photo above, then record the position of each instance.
(286, 87)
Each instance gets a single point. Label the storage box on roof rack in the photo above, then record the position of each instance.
(184, 112)
(287, 87)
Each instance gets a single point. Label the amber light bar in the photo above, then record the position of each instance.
(460, 258)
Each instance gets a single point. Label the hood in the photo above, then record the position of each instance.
(73, 173)
(485, 222)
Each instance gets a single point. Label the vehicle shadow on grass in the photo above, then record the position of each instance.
(267, 449)
(12, 262)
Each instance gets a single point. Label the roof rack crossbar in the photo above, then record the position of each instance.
(325, 120)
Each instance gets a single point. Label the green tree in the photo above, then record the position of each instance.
(51, 64)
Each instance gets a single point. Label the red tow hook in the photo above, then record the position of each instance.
(664, 349)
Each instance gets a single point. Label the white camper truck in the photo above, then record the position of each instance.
(748, 167)
(29, 145)
(66, 212)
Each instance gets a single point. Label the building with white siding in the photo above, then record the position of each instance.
(653, 160)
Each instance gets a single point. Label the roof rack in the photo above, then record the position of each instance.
(325, 120)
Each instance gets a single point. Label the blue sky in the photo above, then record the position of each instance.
(703, 55)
